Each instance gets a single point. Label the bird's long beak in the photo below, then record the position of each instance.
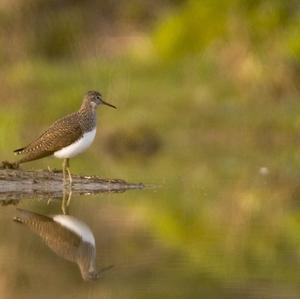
(107, 104)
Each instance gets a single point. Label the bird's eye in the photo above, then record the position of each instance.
(98, 97)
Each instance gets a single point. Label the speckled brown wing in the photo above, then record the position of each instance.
(62, 133)
(61, 240)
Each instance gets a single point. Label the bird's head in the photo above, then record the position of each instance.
(94, 99)
(92, 275)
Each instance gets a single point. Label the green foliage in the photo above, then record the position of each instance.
(197, 25)
(192, 28)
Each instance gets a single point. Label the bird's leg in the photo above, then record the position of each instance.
(69, 197)
(66, 201)
(69, 172)
(63, 202)
(64, 171)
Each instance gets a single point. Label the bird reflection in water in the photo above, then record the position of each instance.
(68, 237)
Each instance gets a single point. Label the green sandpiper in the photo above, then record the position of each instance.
(68, 136)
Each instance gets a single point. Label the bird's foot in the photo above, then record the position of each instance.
(67, 184)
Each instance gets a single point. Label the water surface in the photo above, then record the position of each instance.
(155, 253)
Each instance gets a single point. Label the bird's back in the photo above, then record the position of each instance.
(62, 133)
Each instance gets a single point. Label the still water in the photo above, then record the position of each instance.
(127, 245)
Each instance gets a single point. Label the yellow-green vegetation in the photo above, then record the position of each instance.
(211, 113)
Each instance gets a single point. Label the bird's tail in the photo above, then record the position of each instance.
(25, 216)
(19, 150)
(18, 219)
(30, 156)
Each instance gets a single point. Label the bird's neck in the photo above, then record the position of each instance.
(87, 117)
(86, 259)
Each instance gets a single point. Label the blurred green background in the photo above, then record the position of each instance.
(208, 108)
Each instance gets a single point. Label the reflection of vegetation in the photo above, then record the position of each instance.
(219, 93)
(143, 142)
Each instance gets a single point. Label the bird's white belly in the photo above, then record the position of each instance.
(76, 226)
(77, 147)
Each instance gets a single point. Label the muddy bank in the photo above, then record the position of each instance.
(16, 184)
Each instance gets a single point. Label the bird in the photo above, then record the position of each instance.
(67, 236)
(68, 136)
